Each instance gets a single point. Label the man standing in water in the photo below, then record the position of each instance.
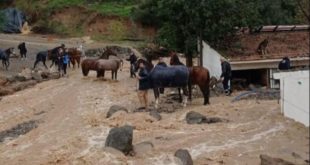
(226, 76)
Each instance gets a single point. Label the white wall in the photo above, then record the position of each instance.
(295, 95)
(211, 60)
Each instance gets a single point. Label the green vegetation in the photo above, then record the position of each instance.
(182, 22)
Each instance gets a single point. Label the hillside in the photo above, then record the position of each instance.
(102, 20)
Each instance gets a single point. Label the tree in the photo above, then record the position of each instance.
(182, 22)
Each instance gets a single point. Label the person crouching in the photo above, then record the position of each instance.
(144, 85)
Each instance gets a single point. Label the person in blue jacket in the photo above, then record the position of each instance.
(65, 61)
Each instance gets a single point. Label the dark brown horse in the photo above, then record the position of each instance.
(198, 76)
(107, 53)
(5, 57)
(88, 65)
(75, 56)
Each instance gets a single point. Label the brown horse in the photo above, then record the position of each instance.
(75, 56)
(198, 76)
(88, 65)
(103, 65)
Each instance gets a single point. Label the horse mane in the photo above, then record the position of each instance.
(107, 53)
(174, 60)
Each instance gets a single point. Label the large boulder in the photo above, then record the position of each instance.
(267, 160)
(184, 156)
(24, 75)
(121, 139)
(115, 108)
(195, 118)
(36, 76)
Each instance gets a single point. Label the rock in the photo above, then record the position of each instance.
(23, 85)
(54, 75)
(121, 139)
(45, 74)
(3, 81)
(195, 118)
(6, 91)
(113, 151)
(115, 108)
(36, 76)
(155, 115)
(267, 160)
(184, 156)
(142, 148)
(24, 75)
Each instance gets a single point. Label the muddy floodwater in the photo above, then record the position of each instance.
(70, 126)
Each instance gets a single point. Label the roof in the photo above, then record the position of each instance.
(292, 44)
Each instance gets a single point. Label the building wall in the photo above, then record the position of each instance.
(295, 95)
(211, 60)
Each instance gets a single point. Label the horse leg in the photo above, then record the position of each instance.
(35, 64)
(189, 91)
(116, 75)
(180, 96)
(52, 63)
(112, 75)
(185, 92)
(206, 93)
(44, 64)
(156, 94)
(78, 61)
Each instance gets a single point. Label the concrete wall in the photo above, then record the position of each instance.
(211, 60)
(294, 88)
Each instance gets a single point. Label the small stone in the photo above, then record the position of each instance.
(115, 108)
(121, 139)
(155, 115)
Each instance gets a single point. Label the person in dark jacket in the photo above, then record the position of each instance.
(23, 50)
(285, 64)
(226, 76)
(144, 85)
(132, 59)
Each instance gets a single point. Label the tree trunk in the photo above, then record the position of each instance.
(200, 49)
(189, 57)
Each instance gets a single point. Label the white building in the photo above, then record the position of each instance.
(294, 88)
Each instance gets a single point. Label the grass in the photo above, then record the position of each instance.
(113, 9)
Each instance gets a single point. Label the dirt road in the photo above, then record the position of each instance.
(72, 128)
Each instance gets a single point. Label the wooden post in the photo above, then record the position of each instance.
(200, 49)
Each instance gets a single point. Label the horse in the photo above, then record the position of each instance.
(54, 55)
(5, 57)
(41, 57)
(166, 77)
(103, 65)
(88, 65)
(198, 76)
(75, 56)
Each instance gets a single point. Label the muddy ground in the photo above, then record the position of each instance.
(69, 124)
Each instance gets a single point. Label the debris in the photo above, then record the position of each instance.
(267, 160)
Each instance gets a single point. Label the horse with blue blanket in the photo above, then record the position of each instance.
(198, 76)
(5, 57)
(166, 77)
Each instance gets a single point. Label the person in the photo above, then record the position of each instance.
(23, 50)
(65, 61)
(285, 64)
(132, 59)
(143, 86)
(226, 76)
(161, 62)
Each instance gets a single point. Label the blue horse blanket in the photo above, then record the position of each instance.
(2, 54)
(174, 76)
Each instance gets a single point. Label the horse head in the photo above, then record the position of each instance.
(107, 53)
(9, 52)
(174, 59)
